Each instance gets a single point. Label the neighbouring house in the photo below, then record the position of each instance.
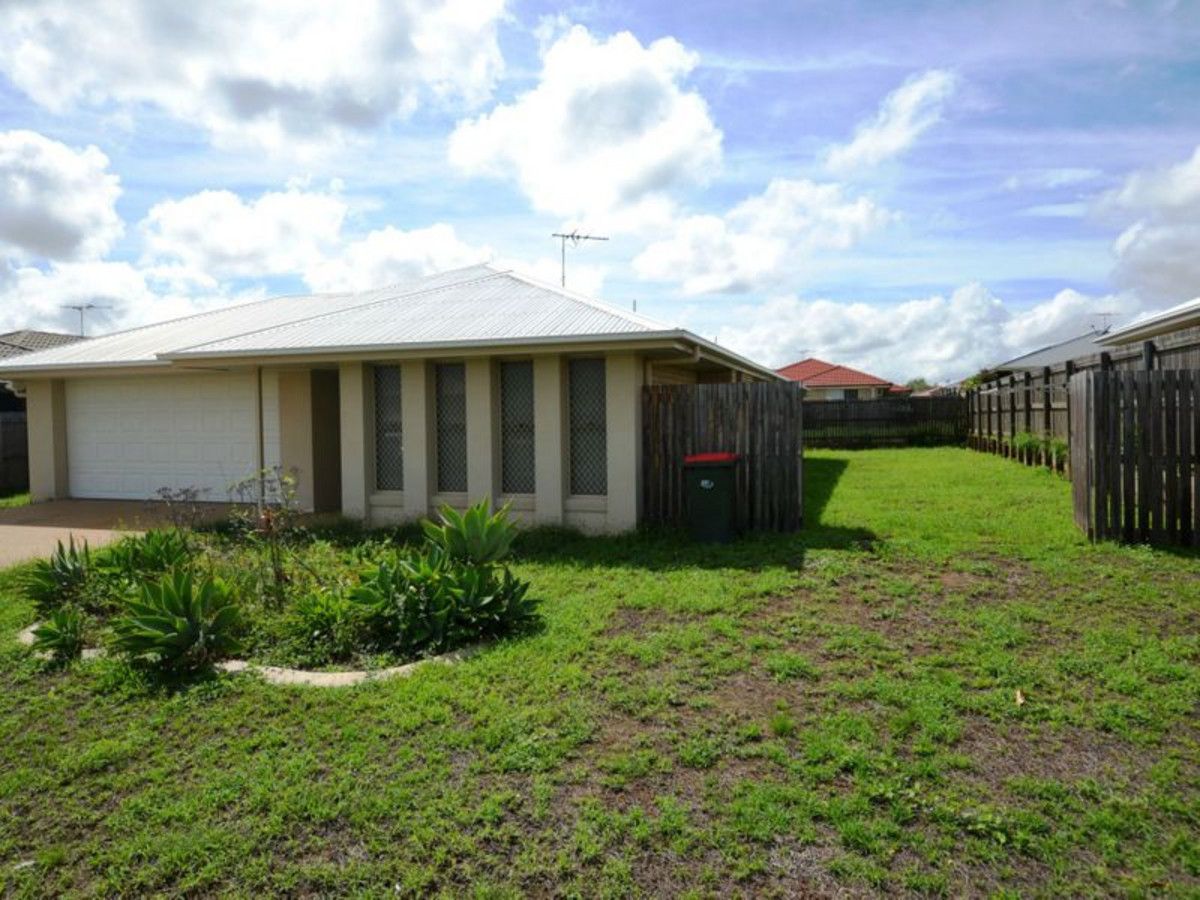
(829, 381)
(387, 403)
(18, 343)
(1049, 356)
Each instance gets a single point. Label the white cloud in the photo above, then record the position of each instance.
(904, 114)
(55, 202)
(940, 337)
(761, 238)
(389, 255)
(1050, 179)
(216, 234)
(33, 297)
(273, 72)
(604, 137)
(1158, 255)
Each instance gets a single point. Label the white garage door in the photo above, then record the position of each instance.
(128, 437)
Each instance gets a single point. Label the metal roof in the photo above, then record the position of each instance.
(479, 305)
(1073, 348)
(1185, 315)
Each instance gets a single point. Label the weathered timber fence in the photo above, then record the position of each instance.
(890, 422)
(14, 453)
(1026, 416)
(1135, 455)
(762, 423)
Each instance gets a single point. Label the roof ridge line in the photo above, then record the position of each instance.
(364, 305)
(594, 302)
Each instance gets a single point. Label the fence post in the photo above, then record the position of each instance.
(1068, 371)
(1148, 355)
(1012, 411)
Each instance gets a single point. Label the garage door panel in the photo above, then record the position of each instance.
(129, 437)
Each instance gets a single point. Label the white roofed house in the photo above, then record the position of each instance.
(387, 403)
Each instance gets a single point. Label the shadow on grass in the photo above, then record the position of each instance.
(663, 548)
(650, 547)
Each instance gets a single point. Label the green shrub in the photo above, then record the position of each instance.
(178, 624)
(1059, 448)
(432, 602)
(330, 625)
(1026, 441)
(56, 581)
(151, 553)
(477, 536)
(61, 635)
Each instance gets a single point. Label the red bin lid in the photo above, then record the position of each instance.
(697, 458)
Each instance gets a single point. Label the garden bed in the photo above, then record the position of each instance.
(260, 591)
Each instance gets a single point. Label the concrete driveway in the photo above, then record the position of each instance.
(27, 532)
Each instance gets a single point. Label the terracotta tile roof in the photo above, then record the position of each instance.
(818, 373)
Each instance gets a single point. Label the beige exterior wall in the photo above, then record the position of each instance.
(355, 438)
(864, 393)
(549, 444)
(550, 504)
(46, 404)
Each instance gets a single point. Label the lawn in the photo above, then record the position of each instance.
(10, 500)
(937, 688)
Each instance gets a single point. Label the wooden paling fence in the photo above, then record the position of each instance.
(762, 423)
(1026, 415)
(14, 453)
(1135, 440)
(899, 421)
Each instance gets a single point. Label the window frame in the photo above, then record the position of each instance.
(438, 450)
(376, 435)
(504, 366)
(571, 441)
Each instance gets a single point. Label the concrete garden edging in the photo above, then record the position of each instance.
(285, 676)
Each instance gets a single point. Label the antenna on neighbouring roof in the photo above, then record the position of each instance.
(1105, 321)
(575, 238)
(81, 308)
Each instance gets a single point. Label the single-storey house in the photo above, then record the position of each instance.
(387, 403)
(829, 381)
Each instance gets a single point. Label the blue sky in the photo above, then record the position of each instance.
(918, 189)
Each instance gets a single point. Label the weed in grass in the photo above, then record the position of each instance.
(790, 666)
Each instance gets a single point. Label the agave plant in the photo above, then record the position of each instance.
(61, 635)
(432, 602)
(477, 536)
(179, 624)
(56, 581)
(149, 553)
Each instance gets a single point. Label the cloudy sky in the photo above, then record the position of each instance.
(918, 189)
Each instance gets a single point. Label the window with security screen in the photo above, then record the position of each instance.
(451, 400)
(516, 428)
(588, 438)
(389, 443)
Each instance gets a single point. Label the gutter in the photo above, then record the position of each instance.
(715, 352)
(1187, 317)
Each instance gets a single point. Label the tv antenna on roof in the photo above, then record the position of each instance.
(1105, 321)
(575, 238)
(81, 308)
